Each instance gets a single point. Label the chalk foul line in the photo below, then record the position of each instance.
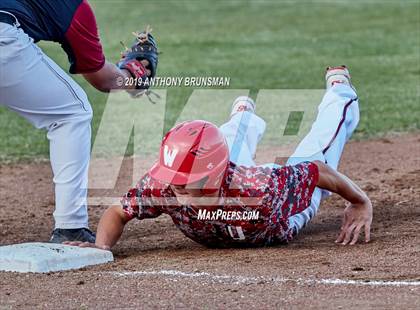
(233, 279)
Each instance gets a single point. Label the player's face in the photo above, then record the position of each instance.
(188, 194)
(181, 191)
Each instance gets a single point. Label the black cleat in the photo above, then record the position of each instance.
(60, 235)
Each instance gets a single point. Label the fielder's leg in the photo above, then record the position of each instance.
(32, 85)
(338, 117)
(243, 132)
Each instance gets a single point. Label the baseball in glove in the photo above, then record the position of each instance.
(141, 60)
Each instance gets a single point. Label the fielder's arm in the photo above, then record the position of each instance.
(110, 77)
(358, 214)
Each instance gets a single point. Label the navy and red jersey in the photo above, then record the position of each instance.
(71, 23)
(253, 207)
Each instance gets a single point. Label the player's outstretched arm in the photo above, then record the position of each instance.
(110, 228)
(356, 216)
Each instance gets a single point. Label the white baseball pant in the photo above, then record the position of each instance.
(338, 117)
(35, 87)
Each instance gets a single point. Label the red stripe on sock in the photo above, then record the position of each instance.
(343, 118)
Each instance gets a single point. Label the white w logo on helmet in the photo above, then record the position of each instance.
(169, 156)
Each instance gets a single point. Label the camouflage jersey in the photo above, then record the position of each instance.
(253, 209)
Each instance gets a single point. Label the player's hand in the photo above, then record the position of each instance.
(87, 245)
(356, 218)
(146, 63)
(140, 60)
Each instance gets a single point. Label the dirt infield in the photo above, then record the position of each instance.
(156, 266)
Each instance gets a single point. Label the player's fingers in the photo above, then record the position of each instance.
(343, 232)
(86, 245)
(72, 243)
(148, 72)
(144, 62)
(340, 237)
(343, 229)
(367, 232)
(356, 234)
(346, 220)
(349, 232)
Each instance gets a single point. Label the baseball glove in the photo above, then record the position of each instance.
(141, 60)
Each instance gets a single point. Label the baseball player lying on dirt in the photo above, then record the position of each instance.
(207, 181)
(35, 87)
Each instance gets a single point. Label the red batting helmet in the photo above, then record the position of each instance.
(190, 152)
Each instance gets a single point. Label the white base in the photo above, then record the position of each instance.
(47, 257)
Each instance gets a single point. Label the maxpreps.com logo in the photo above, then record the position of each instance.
(221, 215)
